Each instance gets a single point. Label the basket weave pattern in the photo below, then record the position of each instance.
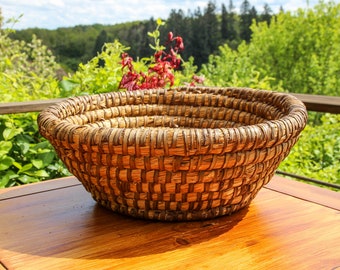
(178, 154)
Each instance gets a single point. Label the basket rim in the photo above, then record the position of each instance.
(272, 132)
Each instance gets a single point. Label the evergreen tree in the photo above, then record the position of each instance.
(145, 50)
(224, 22)
(100, 41)
(266, 14)
(213, 34)
(247, 14)
(206, 34)
(199, 48)
(228, 23)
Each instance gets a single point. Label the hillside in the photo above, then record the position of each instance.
(202, 30)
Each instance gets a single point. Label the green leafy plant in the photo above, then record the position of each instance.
(101, 74)
(24, 156)
(230, 67)
(317, 153)
(28, 71)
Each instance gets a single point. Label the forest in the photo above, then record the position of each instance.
(289, 51)
(203, 31)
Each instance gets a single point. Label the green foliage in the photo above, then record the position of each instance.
(104, 71)
(27, 70)
(24, 156)
(231, 67)
(101, 74)
(156, 46)
(301, 50)
(317, 153)
(296, 52)
(81, 43)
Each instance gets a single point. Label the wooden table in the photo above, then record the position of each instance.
(57, 225)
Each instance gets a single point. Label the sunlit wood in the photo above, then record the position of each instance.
(57, 225)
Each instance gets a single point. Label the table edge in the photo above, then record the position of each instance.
(306, 192)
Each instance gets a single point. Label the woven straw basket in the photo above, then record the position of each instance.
(187, 153)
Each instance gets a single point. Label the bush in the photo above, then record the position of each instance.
(25, 157)
(27, 71)
(317, 153)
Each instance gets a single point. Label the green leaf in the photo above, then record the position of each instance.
(25, 168)
(43, 144)
(25, 179)
(17, 165)
(39, 173)
(8, 179)
(160, 22)
(67, 86)
(38, 163)
(24, 146)
(9, 133)
(5, 162)
(4, 180)
(47, 158)
(5, 147)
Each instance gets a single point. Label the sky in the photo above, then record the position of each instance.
(52, 14)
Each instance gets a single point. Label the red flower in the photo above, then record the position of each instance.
(160, 72)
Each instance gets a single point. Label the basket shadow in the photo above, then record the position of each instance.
(127, 237)
(80, 228)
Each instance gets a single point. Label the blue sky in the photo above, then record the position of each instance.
(51, 14)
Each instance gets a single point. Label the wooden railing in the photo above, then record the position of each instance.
(315, 103)
(318, 103)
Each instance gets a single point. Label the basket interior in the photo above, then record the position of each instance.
(182, 110)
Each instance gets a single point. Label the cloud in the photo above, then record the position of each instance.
(52, 14)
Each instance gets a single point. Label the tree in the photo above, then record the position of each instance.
(247, 14)
(266, 14)
(213, 34)
(228, 23)
(301, 50)
(206, 34)
(102, 38)
(224, 22)
(297, 52)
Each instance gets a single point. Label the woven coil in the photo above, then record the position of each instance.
(188, 153)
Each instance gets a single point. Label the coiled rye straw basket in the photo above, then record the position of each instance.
(178, 154)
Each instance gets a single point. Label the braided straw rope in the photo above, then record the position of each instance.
(186, 153)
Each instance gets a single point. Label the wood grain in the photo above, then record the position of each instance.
(18, 191)
(317, 103)
(320, 103)
(63, 228)
(304, 191)
(27, 106)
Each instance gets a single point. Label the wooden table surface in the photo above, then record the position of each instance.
(57, 225)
